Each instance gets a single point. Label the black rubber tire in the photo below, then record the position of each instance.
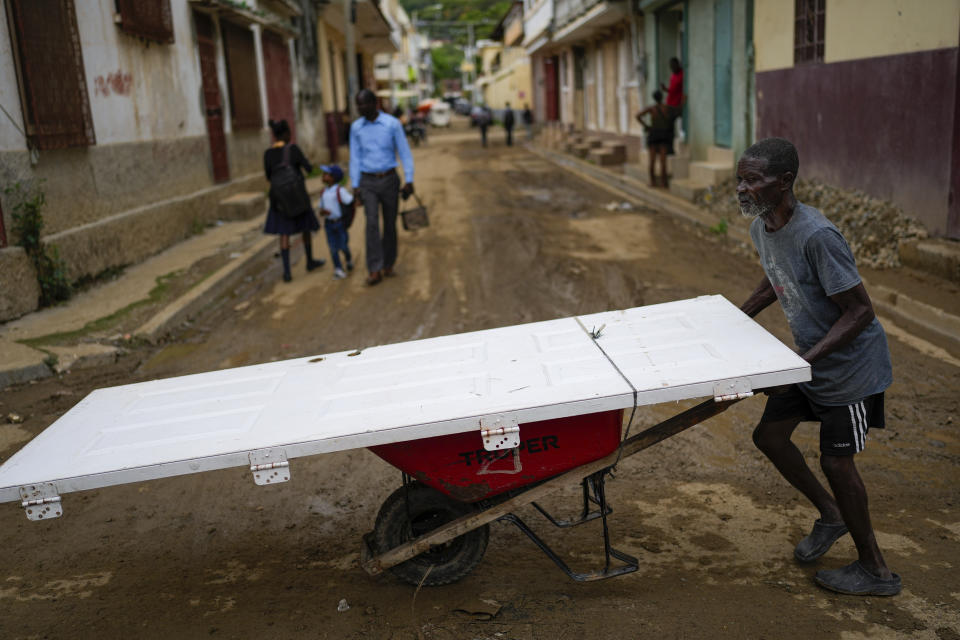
(428, 509)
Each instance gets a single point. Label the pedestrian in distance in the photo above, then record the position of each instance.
(528, 121)
(376, 141)
(810, 270)
(508, 122)
(335, 206)
(659, 136)
(290, 210)
(483, 121)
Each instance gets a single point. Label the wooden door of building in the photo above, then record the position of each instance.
(276, 65)
(212, 100)
(550, 89)
(723, 73)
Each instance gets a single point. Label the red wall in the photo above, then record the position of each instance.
(882, 125)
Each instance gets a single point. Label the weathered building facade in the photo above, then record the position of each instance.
(870, 97)
(136, 119)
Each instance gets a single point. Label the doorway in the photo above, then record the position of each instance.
(723, 73)
(212, 100)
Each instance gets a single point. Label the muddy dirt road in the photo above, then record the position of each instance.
(513, 240)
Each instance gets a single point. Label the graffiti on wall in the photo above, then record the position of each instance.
(115, 83)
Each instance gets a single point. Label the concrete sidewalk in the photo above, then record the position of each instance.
(919, 315)
(239, 244)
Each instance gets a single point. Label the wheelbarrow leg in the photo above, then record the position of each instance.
(587, 514)
(629, 563)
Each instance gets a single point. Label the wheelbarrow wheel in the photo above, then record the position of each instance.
(416, 509)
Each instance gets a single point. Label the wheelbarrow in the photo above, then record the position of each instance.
(479, 423)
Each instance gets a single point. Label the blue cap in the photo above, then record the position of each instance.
(333, 170)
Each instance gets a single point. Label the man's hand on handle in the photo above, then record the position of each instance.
(407, 190)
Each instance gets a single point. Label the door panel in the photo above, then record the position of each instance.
(276, 64)
(212, 102)
(723, 73)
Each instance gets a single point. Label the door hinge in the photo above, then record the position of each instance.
(269, 466)
(41, 501)
(500, 432)
(728, 390)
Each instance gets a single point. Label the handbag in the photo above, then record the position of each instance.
(347, 211)
(415, 218)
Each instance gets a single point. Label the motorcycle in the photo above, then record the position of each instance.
(416, 130)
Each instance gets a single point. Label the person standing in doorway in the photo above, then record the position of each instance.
(376, 141)
(675, 90)
(508, 122)
(528, 121)
(675, 96)
(281, 156)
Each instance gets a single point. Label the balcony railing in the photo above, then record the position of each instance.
(566, 11)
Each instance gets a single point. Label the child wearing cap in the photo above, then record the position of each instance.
(330, 200)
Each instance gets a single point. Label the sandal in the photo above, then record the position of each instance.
(854, 580)
(819, 541)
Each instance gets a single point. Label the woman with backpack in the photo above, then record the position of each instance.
(290, 210)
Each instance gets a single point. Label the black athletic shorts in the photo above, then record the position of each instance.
(843, 429)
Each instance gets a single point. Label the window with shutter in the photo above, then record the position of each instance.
(809, 23)
(50, 69)
(242, 76)
(150, 19)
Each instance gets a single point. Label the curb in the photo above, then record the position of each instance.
(922, 320)
(188, 305)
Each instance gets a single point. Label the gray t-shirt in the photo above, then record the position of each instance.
(807, 260)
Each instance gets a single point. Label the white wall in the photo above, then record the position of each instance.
(536, 20)
(10, 138)
(140, 91)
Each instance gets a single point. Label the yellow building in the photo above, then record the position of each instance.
(505, 65)
(869, 96)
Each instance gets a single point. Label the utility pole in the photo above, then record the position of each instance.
(353, 84)
(467, 78)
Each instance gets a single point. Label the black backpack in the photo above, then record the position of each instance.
(347, 211)
(288, 188)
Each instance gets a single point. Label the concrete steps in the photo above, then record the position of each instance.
(710, 172)
(242, 206)
(610, 153)
(687, 188)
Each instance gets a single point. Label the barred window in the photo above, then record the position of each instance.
(49, 66)
(150, 19)
(242, 76)
(810, 17)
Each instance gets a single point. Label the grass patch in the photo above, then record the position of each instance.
(101, 324)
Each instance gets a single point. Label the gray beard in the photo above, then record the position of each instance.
(754, 210)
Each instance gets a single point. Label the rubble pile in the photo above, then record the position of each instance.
(874, 228)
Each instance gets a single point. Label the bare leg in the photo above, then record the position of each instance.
(663, 167)
(773, 439)
(851, 496)
(652, 160)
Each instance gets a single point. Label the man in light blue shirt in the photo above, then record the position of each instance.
(376, 139)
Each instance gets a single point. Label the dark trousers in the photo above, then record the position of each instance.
(338, 240)
(483, 134)
(509, 135)
(377, 193)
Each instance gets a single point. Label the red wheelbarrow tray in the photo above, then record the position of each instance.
(547, 395)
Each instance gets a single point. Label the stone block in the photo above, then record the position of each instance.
(243, 206)
(936, 256)
(19, 289)
(687, 188)
(82, 356)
